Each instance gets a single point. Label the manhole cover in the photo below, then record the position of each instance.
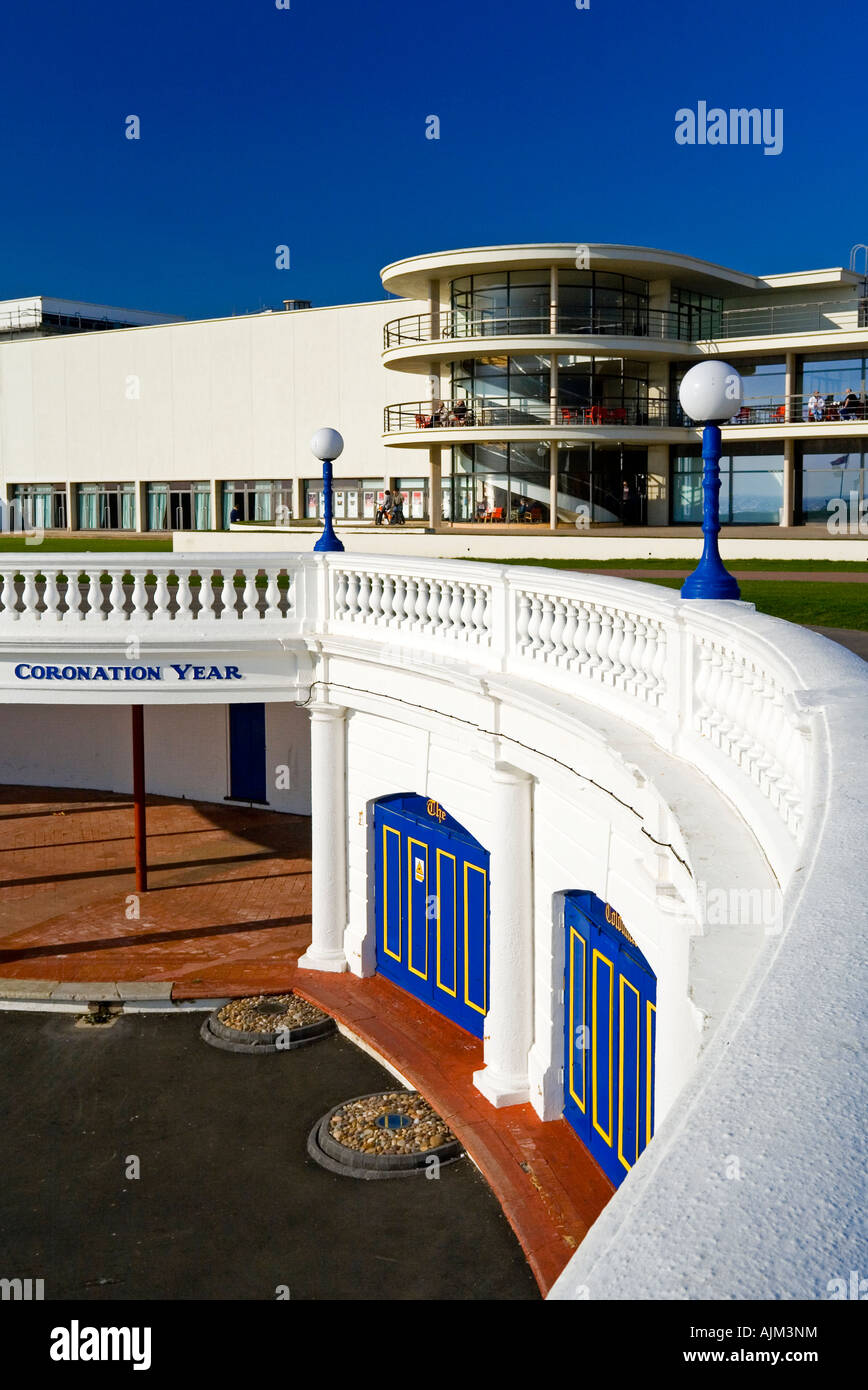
(266, 1023)
(387, 1134)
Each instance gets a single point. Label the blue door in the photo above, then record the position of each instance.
(247, 781)
(431, 908)
(610, 1009)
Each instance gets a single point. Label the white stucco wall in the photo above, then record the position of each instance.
(221, 398)
(186, 750)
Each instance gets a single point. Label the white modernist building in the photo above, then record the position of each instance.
(530, 386)
(617, 835)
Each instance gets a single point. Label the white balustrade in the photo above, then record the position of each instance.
(73, 588)
(706, 688)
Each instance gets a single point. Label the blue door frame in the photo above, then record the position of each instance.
(431, 908)
(610, 1019)
(247, 779)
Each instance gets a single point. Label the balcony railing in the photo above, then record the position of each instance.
(790, 410)
(491, 411)
(779, 320)
(685, 325)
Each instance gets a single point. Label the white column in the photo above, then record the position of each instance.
(509, 1023)
(328, 839)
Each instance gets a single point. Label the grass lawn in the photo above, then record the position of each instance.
(683, 563)
(91, 544)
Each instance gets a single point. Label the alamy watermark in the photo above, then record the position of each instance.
(736, 126)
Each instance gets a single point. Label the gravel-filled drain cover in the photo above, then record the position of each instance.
(389, 1134)
(266, 1023)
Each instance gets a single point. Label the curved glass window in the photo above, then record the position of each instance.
(601, 301)
(585, 382)
(498, 483)
(518, 386)
(514, 301)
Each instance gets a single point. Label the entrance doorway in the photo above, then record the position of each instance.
(610, 1009)
(247, 776)
(431, 908)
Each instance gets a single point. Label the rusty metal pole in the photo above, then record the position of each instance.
(141, 829)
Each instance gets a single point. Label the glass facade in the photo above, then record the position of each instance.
(257, 500)
(825, 383)
(513, 389)
(106, 507)
(598, 300)
(505, 301)
(353, 499)
(607, 382)
(498, 483)
(699, 315)
(603, 484)
(751, 484)
(179, 506)
(40, 506)
(828, 470)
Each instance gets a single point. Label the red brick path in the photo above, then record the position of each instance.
(228, 913)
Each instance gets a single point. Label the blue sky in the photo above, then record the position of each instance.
(306, 127)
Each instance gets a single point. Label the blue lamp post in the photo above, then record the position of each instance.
(711, 392)
(327, 445)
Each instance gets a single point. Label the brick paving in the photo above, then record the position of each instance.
(227, 907)
(228, 913)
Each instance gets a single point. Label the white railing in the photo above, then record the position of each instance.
(712, 683)
(117, 589)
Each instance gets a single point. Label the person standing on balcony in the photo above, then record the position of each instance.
(815, 406)
(849, 405)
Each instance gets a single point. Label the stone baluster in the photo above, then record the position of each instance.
(567, 635)
(522, 630)
(595, 630)
(604, 665)
(342, 580)
(206, 595)
(364, 596)
(423, 603)
(183, 596)
(117, 598)
(272, 595)
(9, 597)
(250, 596)
(51, 596)
(482, 598)
(29, 600)
(616, 666)
(545, 645)
(387, 597)
(658, 666)
(534, 625)
(375, 601)
(625, 653)
(353, 605)
(94, 595)
(445, 606)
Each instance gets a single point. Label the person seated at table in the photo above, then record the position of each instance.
(815, 406)
(524, 510)
(849, 406)
(459, 412)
